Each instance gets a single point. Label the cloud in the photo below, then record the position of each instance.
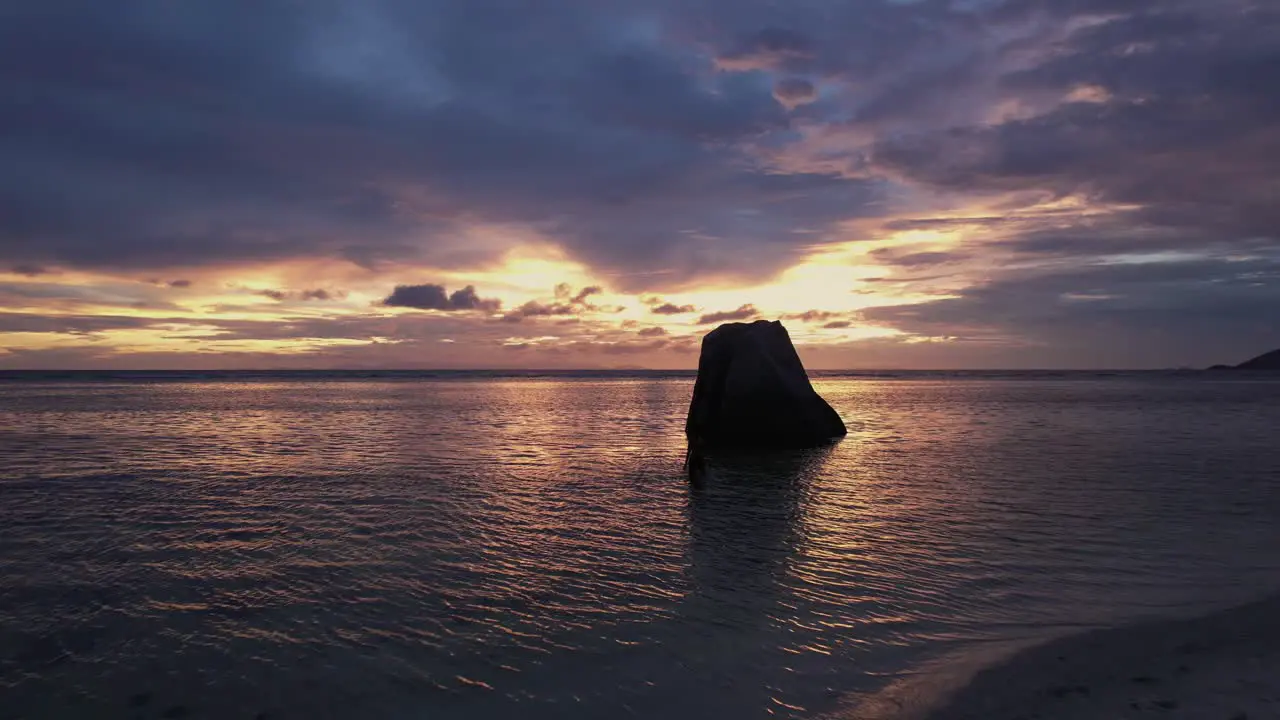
(652, 332)
(665, 147)
(895, 256)
(319, 294)
(667, 308)
(811, 316)
(586, 292)
(1167, 313)
(564, 292)
(628, 348)
(610, 143)
(838, 324)
(533, 308)
(794, 91)
(11, 322)
(76, 296)
(770, 48)
(1185, 129)
(180, 283)
(434, 297)
(744, 312)
(566, 302)
(468, 299)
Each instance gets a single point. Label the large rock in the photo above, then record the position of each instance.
(752, 392)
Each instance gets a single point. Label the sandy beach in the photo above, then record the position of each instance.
(1223, 666)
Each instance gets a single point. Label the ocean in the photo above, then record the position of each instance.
(526, 545)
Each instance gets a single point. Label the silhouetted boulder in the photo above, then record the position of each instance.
(1266, 361)
(752, 392)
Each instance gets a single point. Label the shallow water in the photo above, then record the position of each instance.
(528, 547)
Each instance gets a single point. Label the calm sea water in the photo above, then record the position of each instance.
(527, 547)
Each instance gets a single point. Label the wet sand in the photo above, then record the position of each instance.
(1224, 666)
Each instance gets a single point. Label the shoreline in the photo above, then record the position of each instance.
(1221, 666)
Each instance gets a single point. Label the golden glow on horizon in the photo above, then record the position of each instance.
(833, 282)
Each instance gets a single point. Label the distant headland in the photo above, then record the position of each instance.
(1266, 361)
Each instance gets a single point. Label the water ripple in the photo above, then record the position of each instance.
(530, 547)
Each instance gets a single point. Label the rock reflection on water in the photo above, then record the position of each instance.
(745, 529)
(531, 548)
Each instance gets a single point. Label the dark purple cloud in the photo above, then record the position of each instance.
(1185, 126)
(434, 297)
(135, 136)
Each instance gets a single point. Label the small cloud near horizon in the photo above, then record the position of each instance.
(434, 297)
(672, 309)
(744, 312)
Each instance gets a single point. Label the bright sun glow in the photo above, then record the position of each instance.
(219, 310)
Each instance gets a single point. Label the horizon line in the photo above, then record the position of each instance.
(589, 369)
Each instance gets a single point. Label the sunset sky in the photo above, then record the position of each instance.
(597, 183)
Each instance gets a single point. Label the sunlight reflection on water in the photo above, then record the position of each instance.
(518, 547)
